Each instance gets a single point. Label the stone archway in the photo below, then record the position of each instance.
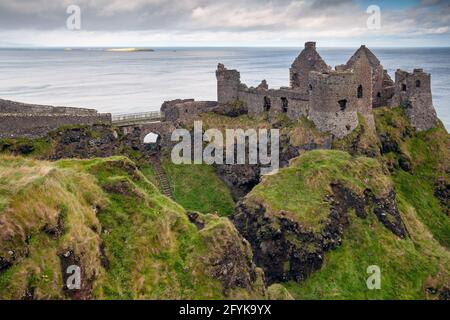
(139, 133)
(152, 142)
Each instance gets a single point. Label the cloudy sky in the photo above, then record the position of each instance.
(151, 23)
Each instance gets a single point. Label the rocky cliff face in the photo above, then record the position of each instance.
(287, 248)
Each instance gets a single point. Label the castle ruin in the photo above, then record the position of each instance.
(333, 98)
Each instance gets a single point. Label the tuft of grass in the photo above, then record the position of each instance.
(32, 148)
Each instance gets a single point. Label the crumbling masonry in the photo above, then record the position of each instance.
(333, 98)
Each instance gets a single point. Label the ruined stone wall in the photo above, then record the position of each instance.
(292, 103)
(363, 90)
(261, 99)
(184, 111)
(33, 121)
(382, 84)
(413, 92)
(333, 106)
(383, 87)
(228, 83)
(308, 60)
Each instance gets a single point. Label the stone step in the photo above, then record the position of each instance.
(164, 182)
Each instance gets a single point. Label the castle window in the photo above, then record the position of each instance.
(360, 92)
(343, 104)
(417, 83)
(378, 94)
(310, 87)
(267, 104)
(284, 105)
(403, 87)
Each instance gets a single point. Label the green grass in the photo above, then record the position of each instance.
(153, 251)
(361, 141)
(32, 148)
(428, 152)
(300, 189)
(407, 266)
(198, 188)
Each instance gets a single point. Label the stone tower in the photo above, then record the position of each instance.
(228, 82)
(333, 101)
(363, 90)
(413, 92)
(382, 84)
(308, 60)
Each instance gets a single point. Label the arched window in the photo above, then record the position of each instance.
(360, 92)
(310, 87)
(378, 94)
(342, 104)
(417, 83)
(403, 87)
(267, 104)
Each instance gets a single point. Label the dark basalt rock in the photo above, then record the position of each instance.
(4, 264)
(388, 144)
(404, 163)
(55, 231)
(442, 192)
(387, 213)
(103, 258)
(194, 218)
(240, 179)
(444, 294)
(233, 268)
(287, 251)
(86, 142)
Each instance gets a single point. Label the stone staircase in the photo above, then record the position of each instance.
(163, 181)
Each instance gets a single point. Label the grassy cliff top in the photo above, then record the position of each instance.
(130, 241)
(301, 189)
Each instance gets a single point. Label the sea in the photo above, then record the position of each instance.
(125, 81)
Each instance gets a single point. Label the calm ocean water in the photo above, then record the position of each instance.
(124, 82)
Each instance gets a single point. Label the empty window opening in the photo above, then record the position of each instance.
(379, 95)
(310, 87)
(284, 105)
(360, 92)
(151, 138)
(403, 87)
(267, 104)
(417, 83)
(343, 104)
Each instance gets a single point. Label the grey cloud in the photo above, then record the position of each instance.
(190, 16)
